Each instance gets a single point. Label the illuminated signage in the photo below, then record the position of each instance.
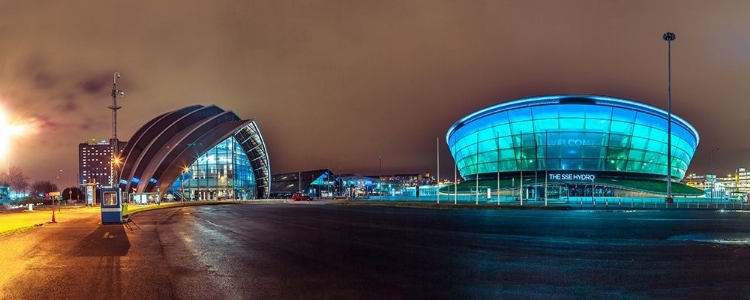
(89, 195)
(574, 142)
(572, 177)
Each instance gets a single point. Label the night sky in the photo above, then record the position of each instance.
(333, 83)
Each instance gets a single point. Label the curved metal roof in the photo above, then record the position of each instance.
(159, 150)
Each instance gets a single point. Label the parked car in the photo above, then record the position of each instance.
(301, 197)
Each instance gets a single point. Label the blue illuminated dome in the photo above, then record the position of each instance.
(571, 134)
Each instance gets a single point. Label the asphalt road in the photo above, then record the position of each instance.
(310, 251)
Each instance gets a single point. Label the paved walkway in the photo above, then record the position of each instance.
(21, 220)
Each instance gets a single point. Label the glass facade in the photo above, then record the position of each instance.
(571, 133)
(222, 173)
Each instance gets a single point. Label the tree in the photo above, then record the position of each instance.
(17, 181)
(42, 187)
(72, 193)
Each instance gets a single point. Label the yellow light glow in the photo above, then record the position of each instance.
(7, 130)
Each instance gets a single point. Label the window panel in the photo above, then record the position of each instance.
(620, 114)
(509, 165)
(571, 124)
(657, 134)
(571, 164)
(525, 127)
(573, 111)
(546, 125)
(553, 163)
(641, 131)
(545, 112)
(597, 125)
(503, 130)
(598, 112)
(636, 155)
(520, 114)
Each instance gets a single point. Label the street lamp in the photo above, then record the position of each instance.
(380, 173)
(669, 37)
(182, 184)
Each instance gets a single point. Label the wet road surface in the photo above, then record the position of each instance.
(310, 251)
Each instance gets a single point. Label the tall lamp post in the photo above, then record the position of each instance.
(380, 173)
(669, 37)
(114, 143)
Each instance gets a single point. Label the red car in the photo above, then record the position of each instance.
(301, 197)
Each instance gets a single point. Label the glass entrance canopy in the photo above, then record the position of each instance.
(222, 173)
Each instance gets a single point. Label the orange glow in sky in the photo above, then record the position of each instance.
(7, 130)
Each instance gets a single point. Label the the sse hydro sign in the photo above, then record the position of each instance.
(572, 177)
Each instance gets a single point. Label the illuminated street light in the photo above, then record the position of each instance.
(182, 186)
(116, 161)
(7, 131)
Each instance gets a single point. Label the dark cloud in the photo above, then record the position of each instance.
(95, 85)
(69, 107)
(44, 80)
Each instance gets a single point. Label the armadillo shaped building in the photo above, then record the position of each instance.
(196, 153)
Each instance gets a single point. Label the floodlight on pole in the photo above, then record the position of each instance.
(669, 37)
(114, 143)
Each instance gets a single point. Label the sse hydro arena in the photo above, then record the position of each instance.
(571, 146)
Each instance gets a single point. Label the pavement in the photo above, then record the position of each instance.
(19, 220)
(310, 250)
(22, 219)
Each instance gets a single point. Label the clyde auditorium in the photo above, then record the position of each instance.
(574, 145)
(196, 153)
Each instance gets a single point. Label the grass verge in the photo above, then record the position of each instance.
(19, 230)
